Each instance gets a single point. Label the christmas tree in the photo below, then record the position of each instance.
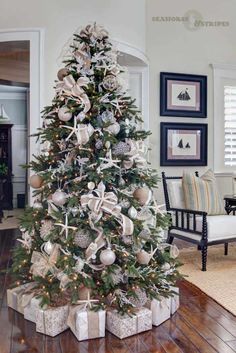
(94, 228)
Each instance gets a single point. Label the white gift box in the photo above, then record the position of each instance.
(31, 308)
(16, 295)
(86, 324)
(174, 301)
(124, 325)
(160, 310)
(52, 321)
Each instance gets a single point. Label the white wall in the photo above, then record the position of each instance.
(174, 48)
(61, 18)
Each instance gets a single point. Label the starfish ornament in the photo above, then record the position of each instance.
(65, 227)
(108, 162)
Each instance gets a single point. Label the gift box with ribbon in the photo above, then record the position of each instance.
(30, 309)
(19, 297)
(174, 301)
(86, 324)
(160, 310)
(124, 326)
(52, 321)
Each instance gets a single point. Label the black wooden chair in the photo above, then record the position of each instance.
(195, 226)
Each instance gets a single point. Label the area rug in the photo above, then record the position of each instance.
(219, 281)
(10, 219)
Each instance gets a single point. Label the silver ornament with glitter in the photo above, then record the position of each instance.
(145, 234)
(99, 144)
(46, 228)
(120, 148)
(110, 82)
(82, 239)
(140, 299)
(107, 116)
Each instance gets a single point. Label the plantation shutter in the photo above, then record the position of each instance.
(230, 125)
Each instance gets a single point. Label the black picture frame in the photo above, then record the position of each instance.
(197, 84)
(180, 134)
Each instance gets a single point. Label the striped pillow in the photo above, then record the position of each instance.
(201, 194)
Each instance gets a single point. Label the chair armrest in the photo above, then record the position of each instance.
(185, 220)
(185, 210)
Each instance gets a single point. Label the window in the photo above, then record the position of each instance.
(230, 125)
(224, 129)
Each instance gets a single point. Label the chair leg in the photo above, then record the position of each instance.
(169, 239)
(226, 248)
(199, 247)
(204, 257)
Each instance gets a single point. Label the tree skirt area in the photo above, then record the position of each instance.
(10, 219)
(219, 281)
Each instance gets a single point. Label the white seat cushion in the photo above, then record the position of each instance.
(176, 194)
(219, 227)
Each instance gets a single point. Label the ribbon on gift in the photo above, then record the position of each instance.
(42, 263)
(15, 296)
(91, 321)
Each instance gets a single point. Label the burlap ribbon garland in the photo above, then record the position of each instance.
(92, 321)
(42, 263)
(100, 201)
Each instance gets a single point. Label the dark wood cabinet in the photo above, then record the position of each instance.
(6, 192)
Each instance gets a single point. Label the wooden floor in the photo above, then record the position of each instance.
(200, 325)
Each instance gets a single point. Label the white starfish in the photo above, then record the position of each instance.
(65, 227)
(108, 162)
(87, 302)
(74, 129)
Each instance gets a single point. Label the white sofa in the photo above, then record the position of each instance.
(195, 226)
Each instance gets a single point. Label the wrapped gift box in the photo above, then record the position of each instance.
(52, 321)
(124, 325)
(174, 301)
(160, 310)
(31, 308)
(86, 324)
(15, 296)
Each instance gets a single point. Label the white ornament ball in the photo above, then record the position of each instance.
(114, 129)
(143, 195)
(132, 212)
(108, 144)
(64, 114)
(36, 181)
(91, 185)
(107, 257)
(143, 257)
(145, 234)
(59, 197)
(48, 247)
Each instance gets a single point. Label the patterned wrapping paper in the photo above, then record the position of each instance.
(86, 324)
(52, 321)
(174, 301)
(31, 308)
(125, 326)
(160, 310)
(18, 297)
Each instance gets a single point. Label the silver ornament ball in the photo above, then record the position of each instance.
(64, 114)
(59, 197)
(107, 257)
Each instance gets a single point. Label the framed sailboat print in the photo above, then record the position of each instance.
(183, 95)
(183, 144)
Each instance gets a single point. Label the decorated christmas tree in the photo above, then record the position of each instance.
(94, 229)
